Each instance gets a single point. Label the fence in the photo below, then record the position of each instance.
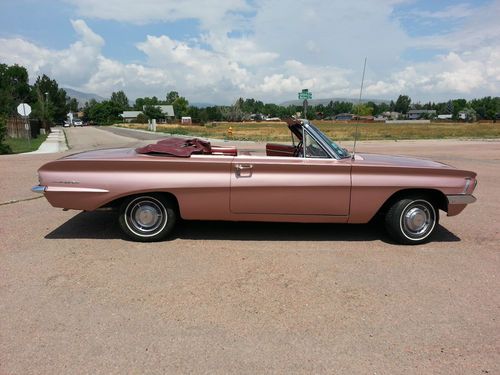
(16, 128)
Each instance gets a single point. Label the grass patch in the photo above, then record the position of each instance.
(278, 131)
(20, 145)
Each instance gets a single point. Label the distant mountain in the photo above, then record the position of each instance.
(326, 101)
(82, 97)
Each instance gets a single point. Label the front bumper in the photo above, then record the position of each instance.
(39, 189)
(461, 199)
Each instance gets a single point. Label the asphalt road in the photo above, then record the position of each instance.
(76, 298)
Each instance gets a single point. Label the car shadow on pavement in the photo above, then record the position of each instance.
(104, 225)
(257, 231)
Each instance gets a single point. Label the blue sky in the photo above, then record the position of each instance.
(218, 50)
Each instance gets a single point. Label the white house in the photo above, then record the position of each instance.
(416, 114)
(167, 110)
(129, 116)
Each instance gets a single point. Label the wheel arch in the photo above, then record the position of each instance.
(117, 202)
(435, 196)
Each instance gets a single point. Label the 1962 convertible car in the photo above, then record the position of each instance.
(311, 180)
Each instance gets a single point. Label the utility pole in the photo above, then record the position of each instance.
(46, 112)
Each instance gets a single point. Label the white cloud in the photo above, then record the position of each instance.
(282, 47)
(210, 13)
(479, 29)
(74, 64)
(469, 74)
(193, 67)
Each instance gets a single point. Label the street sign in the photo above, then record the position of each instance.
(24, 109)
(305, 94)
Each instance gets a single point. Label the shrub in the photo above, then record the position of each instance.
(4, 148)
(141, 118)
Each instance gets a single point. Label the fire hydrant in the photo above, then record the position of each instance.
(230, 131)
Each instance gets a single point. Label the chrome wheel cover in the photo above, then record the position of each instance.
(146, 216)
(418, 220)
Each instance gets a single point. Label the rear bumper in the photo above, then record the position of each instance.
(39, 189)
(461, 199)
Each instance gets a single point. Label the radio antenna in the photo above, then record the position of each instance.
(359, 106)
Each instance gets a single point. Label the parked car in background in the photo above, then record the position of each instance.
(66, 124)
(310, 180)
(77, 122)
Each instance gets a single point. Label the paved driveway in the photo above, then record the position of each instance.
(76, 298)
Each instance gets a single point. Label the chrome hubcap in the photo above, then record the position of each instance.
(146, 217)
(418, 220)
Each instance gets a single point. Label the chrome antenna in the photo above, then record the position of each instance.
(359, 106)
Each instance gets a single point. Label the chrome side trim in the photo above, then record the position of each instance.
(71, 189)
(40, 189)
(461, 199)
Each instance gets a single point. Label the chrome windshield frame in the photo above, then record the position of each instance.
(312, 132)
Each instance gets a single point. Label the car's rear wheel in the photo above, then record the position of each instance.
(147, 218)
(412, 220)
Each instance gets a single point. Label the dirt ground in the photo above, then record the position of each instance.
(76, 298)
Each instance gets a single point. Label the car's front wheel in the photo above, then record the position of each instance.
(412, 220)
(147, 218)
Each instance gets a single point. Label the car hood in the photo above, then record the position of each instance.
(398, 161)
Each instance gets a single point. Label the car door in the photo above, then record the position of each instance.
(313, 184)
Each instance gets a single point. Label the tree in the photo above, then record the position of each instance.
(14, 88)
(103, 113)
(72, 105)
(362, 109)
(120, 99)
(50, 102)
(141, 102)
(342, 107)
(172, 96)
(4, 149)
(375, 110)
(402, 104)
(141, 118)
(180, 106)
(486, 107)
(153, 112)
(469, 114)
(382, 107)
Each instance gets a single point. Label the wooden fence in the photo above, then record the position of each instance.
(16, 128)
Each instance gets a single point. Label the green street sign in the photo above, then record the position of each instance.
(305, 95)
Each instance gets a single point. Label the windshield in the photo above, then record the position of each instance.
(341, 152)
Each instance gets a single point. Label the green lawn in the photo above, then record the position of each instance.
(20, 145)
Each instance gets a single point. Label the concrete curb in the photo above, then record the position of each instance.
(55, 142)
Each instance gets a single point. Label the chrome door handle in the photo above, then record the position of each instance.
(241, 167)
(243, 170)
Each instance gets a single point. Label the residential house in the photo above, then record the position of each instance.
(129, 116)
(417, 114)
(167, 110)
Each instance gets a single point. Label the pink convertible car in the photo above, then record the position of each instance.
(311, 180)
